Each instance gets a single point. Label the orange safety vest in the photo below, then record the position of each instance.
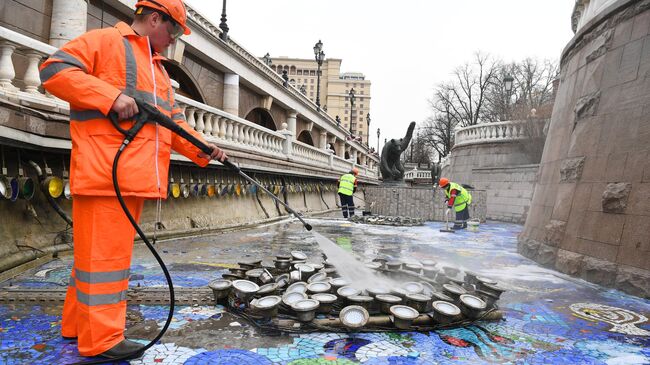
(90, 72)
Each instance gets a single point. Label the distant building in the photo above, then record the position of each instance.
(334, 89)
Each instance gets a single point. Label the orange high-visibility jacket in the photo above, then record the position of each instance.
(90, 72)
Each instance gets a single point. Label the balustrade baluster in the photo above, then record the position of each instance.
(247, 136)
(200, 125)
(255, 142)
(32, 77)
(223, 125)
(189, 114)
(7, 71)
(229, 130)
(235, 132)
(208, 118)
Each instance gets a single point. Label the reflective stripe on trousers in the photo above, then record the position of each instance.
(95, 304)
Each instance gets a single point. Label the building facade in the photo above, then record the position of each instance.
(335, 90)
(226, 94)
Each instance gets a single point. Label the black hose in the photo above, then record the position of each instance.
(260, 203)
(321, 195)
(147, 113)
(144, 238)
(150, 113)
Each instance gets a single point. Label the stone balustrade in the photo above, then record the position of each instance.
(24, 87)
(417, 175)
(229, 131)
(498, 132)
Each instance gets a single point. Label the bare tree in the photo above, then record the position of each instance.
(420, 152)
(438, 130)
(532, 88)
(467, 91)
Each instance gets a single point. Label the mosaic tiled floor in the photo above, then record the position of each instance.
(550, 318)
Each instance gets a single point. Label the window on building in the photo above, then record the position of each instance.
(361, 119)
(311, 93)
(361, 92)
(345, 111)
(345, 119)
(311, 87)
(312, 81)
(312, 73)
(299, 73)
(362, 85)
(360, 105)
(346, 98)
(346, 104)
(346, 124)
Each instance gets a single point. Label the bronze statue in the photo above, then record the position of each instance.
(391, 168)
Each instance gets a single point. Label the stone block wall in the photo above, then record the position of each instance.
(418, 202)
(32, 229)
(509, 190)
(590, 213)
(504, 170)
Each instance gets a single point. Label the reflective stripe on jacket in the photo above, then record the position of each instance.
(460, 199)
(90, 72)
(346, 184)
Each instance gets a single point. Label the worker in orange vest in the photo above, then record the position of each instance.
(99, 72)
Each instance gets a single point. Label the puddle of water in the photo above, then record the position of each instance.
(350, 269)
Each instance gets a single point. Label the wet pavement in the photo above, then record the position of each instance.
(550, 318)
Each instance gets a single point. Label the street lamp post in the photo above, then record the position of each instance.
(319, 55)
(352, 97)
(368, 129)
(224, 23)
(378, 134)
(507, 85)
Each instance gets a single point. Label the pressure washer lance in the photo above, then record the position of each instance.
(153, 114)
(148, 113)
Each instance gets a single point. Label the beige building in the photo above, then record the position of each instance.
(334, 90)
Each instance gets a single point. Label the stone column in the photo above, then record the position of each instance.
(340, 149)
(68, 21)
(291, 121)
(231, 94)
(322, 143)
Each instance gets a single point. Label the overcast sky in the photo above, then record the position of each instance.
(403, 47)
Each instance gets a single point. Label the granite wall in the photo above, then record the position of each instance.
(590, 213)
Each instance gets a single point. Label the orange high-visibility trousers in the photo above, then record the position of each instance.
(95, 304)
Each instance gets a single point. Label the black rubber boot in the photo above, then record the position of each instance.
(123, 348)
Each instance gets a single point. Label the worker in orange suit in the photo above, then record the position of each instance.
(99, 72)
